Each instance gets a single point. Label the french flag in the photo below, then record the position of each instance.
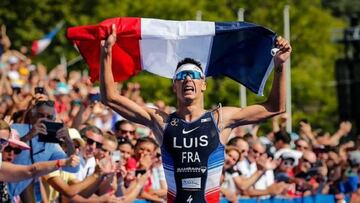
(40, 45)
(239, 50)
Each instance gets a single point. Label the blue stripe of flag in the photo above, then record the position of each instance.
(242, 51)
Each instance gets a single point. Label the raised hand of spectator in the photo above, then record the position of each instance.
(305, 128)
(145, 161)
(105, 166)
(72, 161)
(267, 163)
(63, 134)
(38, 128)
(345, 127)
(142, 178)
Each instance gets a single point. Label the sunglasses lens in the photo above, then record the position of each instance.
(90, 141)
(192, 74)
(16, 150)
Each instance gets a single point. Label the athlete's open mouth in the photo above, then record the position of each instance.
(188, 88)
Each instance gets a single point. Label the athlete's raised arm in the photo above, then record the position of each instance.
(110, 96)
(275, 104)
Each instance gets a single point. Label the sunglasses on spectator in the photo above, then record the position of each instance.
(105, 150)
(306, 160)
(3, 141)
(257, 152)
(132, 132)
(91, 142)
(49, 103)
(191, 73)
(14, 149)
(77, 146)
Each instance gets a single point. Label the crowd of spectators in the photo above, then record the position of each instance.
(119, 161)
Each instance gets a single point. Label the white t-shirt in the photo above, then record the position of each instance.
(248, 169)
(87, 168)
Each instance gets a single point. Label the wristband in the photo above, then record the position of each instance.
(58, 164)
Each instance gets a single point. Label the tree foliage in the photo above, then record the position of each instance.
(312, 60)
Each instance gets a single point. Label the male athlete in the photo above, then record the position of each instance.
(192, 139)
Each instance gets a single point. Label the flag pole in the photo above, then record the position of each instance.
(199, 15)
(243, 102)
(288, 71)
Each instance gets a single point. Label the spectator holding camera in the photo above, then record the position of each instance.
(42, 111)
(9, 172)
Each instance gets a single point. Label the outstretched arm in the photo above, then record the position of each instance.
(275, 104)
(13, 173)
(124, 106)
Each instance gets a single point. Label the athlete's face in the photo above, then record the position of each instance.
(189, 88)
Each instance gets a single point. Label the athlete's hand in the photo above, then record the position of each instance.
(284, 51)
(110, 41)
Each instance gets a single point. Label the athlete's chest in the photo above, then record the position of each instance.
(191, 142)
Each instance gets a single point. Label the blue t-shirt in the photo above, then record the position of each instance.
(41, 152)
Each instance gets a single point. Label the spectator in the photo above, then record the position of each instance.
(63, 185)
(12, 173)
(41, 151)
(144, 154)
(125, 128)
(282, 140)
(94, 139)
(302, 145)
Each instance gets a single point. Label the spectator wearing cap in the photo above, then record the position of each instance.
(93, 137)
(14, 147)
(288, 160)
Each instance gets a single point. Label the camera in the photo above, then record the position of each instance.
(140, 171)
(51, 128)
(94, 97)
(39, 90)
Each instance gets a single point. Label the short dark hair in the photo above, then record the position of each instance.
(283, 136)
(146, 140)
(189, 60)
(234, 140)
(122, 122)
(91, 128)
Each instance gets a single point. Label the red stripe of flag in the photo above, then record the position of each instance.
(126, 51)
